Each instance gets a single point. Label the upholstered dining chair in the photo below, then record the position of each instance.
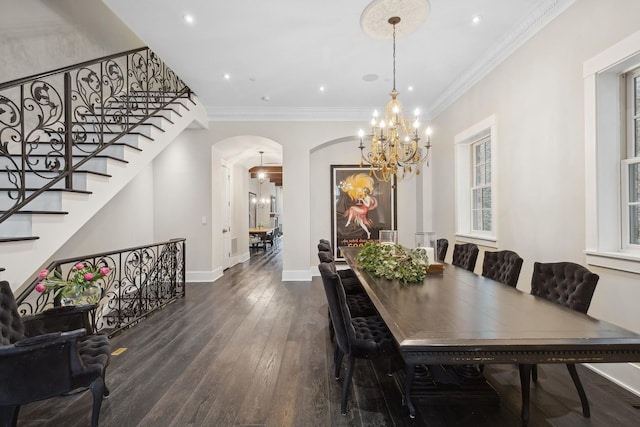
(347, 275)
(502, 266)
(356, 337)
(39, 361)
(465, 255)
(443, 246)
(570, 285)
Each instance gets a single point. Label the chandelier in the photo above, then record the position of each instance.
(261, 201)
(395, 148)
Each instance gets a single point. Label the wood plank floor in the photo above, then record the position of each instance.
(251, 350)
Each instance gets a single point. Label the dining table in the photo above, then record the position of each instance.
(260, 234)
(458, 318)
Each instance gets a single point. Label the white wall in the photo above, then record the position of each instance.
(41, 35)
(537, 97)
(126, 221)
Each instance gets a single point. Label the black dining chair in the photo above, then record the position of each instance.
(570, 285)
(356, 337)
(502, 266)
(443, 246)
(40, 360)
(346, 274)
(465, 255)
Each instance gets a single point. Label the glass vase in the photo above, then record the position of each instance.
(86, 295)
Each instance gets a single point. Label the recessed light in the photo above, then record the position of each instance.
(227, 76)
(476, 19)
(188, 18)
(266, 98)
(410, 88)
(322, 88)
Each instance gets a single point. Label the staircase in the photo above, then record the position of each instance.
(71, 139)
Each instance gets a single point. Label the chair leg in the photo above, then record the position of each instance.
(534, 373)
(583, 396)
(9, 415)
(337, 358)
(347, 384)
(97, 389)
(525, 384)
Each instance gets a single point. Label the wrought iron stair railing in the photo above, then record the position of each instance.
(52, 124)
(141, 280)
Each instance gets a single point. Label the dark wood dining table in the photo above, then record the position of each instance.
(457, 317)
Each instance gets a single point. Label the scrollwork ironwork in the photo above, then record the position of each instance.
(140, 281)
(101, 102)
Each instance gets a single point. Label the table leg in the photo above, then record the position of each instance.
(525, 382)
(408, 379)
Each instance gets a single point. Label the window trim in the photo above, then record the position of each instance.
(604, 144)
(463, 184)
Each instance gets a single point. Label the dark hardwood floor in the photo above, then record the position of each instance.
(251, 350)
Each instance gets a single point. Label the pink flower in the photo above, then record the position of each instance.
(40, 288)
(88, 276)
(79, 266)
(104, 271)
(43, 274)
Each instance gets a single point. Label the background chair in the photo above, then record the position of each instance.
(570, 285)
(357, 337)
(465, 255)
(39, 361)
(350, 282)
(502, 266)
(443, 246)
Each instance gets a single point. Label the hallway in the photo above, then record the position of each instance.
(251, 350)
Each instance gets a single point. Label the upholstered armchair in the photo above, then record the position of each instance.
(465, 255)
(570, 285)
(39, 359)
(502, 266)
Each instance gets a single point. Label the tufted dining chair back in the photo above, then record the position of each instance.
(564, 283)
(443, 246)
(465, 255)
(332, 286)
(502, 266)
(323, 245)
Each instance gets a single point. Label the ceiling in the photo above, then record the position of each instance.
(279, 53)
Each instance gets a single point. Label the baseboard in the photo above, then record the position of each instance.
(626, 375)
(244, 257)
(296, 275)
(203, 276)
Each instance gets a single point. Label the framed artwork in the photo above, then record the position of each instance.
(361, 206)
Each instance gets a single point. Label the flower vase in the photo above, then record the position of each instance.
(87, 295)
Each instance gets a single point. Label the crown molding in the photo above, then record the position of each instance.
(546, 12)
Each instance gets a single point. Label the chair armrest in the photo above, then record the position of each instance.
(39, 367)
(59, 319)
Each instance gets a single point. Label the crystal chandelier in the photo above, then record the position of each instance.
(395, 148)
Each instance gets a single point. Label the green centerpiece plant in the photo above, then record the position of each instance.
(394, 262)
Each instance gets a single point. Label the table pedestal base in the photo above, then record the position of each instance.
(448, 384)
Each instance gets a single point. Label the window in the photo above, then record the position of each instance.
(631, 164)
(612, 156)
(481, 187)
(475, 186)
